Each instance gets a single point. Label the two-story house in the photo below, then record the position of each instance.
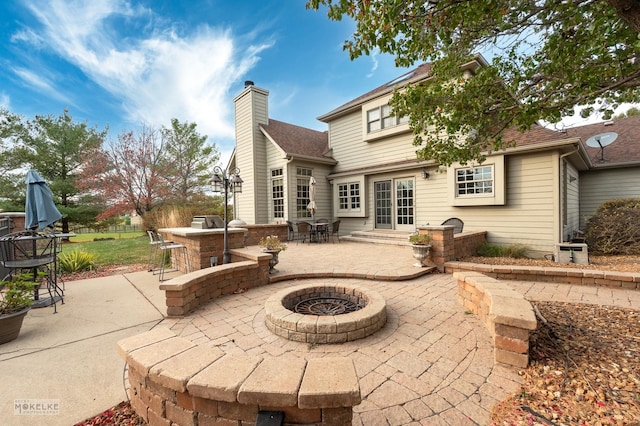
(536, 193)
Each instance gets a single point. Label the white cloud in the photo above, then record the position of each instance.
(5, 101)
(156, 78)
(37, 80)
(576, 120)
(375, 62)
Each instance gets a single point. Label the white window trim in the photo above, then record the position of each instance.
(399, 127)
(496, 198)
(350, 212)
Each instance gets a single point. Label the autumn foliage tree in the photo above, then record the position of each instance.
(549, 56)
(149, 167)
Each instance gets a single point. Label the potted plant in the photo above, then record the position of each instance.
(271, 244)
(421, 246)
(16, 297)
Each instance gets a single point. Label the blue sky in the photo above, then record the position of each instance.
(121, 63)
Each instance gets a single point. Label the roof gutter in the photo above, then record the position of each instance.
(310, 158)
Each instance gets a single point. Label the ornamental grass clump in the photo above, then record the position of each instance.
(420, 239)
(272, 243)
(76, 261)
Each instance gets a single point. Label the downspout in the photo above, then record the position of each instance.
(563, 190)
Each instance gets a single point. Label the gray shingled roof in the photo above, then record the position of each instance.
(626, 147)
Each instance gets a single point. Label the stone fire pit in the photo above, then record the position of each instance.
(325, 314)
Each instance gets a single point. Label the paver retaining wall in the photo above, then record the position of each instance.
(174, 381)
(187, 292)
(505, 312)
(577, 276)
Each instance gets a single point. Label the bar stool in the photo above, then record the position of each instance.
(167, 249)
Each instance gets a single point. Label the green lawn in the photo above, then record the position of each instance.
(129, 249)
(82, 238)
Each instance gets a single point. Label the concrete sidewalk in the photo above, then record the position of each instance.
(71, 357)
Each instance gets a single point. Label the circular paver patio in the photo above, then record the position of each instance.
(431, 363)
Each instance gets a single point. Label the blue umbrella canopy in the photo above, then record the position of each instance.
(40, 209)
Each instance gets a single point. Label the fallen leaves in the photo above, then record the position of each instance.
(584, 369)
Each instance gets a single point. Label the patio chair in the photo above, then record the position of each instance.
(291, 231)
(167, 254)
(334, 229)
(154, 243)
(304, 232)
(457, 223)
(323, 231)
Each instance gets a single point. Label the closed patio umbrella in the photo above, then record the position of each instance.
(40, 209)
(312, 197)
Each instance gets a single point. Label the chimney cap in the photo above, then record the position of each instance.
(248, 83)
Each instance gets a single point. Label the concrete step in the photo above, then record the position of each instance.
(395, 238)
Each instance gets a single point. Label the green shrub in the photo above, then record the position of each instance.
(615, 228)
(76, 261)
(516, 251)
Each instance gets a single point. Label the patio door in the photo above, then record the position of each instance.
(394, 201)
(384, 206)
(405, 205)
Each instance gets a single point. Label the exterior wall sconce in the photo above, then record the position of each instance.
(425, 174)
(572, 179)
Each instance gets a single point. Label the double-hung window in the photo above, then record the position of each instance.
(277, 193)
(349, 196)
(302, 191)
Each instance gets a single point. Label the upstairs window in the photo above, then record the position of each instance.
(380, 118)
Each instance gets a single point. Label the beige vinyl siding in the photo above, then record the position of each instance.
(598, 186)
(250, 110)
(353, 152)
(572, 214)
(530, 216)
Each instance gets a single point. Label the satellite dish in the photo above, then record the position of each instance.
(601, 140)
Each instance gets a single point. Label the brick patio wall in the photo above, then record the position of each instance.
(187, 292)
(591, 277)
(201, 247)
(447, 246)
(256, 232)
(174, 381)
(508, 316)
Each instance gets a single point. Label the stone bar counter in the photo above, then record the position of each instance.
(202, 244)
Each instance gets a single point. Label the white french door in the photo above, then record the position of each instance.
(395, 204)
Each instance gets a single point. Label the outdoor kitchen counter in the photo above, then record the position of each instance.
(204, 246)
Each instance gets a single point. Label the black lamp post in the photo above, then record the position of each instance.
(226, 182)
